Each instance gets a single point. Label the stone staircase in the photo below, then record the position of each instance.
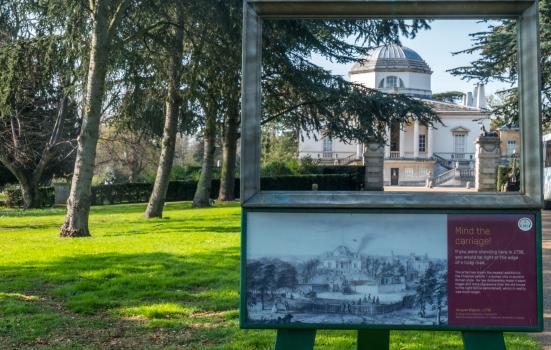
(456, 177)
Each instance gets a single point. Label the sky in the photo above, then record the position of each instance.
(435, 47)
(311, 234)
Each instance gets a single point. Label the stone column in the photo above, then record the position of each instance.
(387, 143)
(402, 141)
(487, 160)
(430, 135)
(374, 167)
(416, 139)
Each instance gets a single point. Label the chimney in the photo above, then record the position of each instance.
(480, 97)
(465, 100)
(470, 100)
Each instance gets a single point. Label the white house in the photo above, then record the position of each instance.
(414, 151)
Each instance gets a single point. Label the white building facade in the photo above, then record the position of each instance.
(414, 152)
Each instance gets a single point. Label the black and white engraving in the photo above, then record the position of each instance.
(325, 268)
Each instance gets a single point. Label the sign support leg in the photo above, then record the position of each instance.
(295, 339)
(373, 339)
(483, 341)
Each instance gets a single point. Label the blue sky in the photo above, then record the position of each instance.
(436, 46)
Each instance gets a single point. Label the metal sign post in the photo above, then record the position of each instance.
(483, 248)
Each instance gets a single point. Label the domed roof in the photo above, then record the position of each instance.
(392, 57)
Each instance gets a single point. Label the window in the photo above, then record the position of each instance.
(409, 172)
(391, 82)
(459, 143)
(424, 172)
(422, 143)
(511, 147)
(327, 144)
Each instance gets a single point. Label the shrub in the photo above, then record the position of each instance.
(121, 193)
(276, 168)
(340, 182)
(14, 196)
(504, 178)
(185, 172)
(185, 190)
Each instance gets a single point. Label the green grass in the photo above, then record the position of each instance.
(142, 284)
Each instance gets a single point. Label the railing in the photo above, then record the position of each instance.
(345, 161)
(466, 173)
(454, 160)
(394, 154)
(445, 177)
(455, 156)
(336, 158)
(463, 174)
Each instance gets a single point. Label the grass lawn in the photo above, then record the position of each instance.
(142, 284)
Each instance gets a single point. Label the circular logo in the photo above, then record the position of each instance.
(525, 224)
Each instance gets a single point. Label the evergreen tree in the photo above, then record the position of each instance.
(105, 17)
(38, 115)
(498, 60)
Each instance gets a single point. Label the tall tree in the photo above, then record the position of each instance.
(201, 199)
(172, 111)
(497, 50)
(37, 111)
(298, 94)
(105, 17)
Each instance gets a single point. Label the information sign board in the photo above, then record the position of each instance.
(359, 269)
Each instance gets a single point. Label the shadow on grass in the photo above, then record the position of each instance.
(112, 282)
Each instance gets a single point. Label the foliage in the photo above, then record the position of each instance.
(6, 177)
(14, 197)
(279, 168)
(125, 155)
(505, 176)
(38, 121)
(448, 96)
(341, 182)
(156, 284)
(184, 190)
(497, 51)
(185, 172)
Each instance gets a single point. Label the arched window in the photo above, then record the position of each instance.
(391, 82)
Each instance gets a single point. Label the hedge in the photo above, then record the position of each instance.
(185, 190)
(341, 182)
(14, 197)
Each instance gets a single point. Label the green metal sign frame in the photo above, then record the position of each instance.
(251, 325)
(302, 336)
(528, 200)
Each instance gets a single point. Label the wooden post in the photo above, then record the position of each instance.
(483, 341)
(373, 340)
(295, 339)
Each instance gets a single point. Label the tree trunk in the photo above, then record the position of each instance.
(29, 192)
(201, 199)
(173, 102)
(78, 204)
(229, 155)
(29, 188)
